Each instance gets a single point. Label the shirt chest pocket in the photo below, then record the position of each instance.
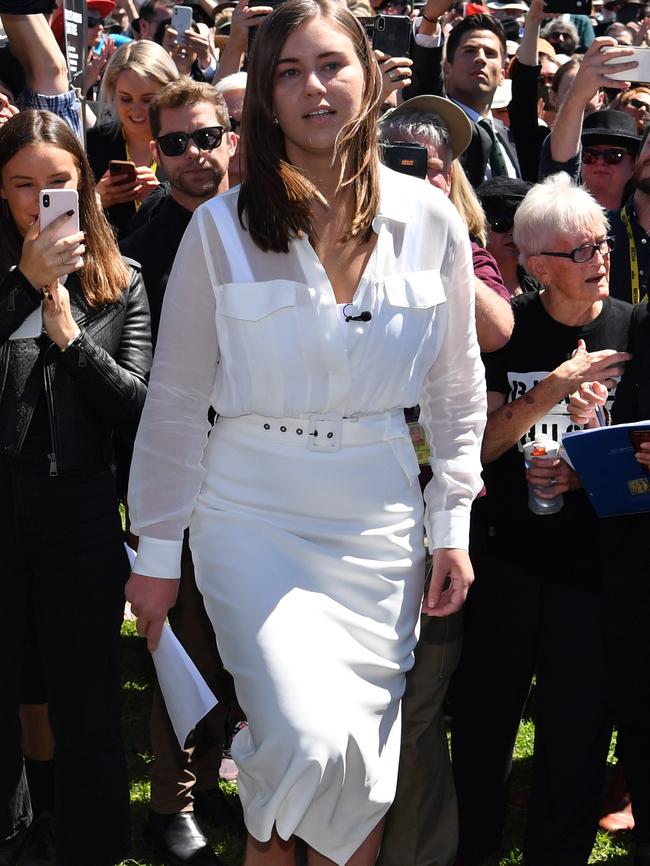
(257, 302)
(421, 290)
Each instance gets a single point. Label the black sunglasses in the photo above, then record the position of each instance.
(94, 20)
(636, 103)
(501, 224)
(175, 143)
(612, 156)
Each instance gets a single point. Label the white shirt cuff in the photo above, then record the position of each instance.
(426, 40)
(448, 529)
(158, 557)
(210, 71)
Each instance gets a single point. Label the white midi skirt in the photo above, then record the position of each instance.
(311, 565)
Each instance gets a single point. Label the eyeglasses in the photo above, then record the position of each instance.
(586, 252)
(234, 124)
(612, 156)
(94, 20)
(501, 224)
(636, 103)
(175, 143)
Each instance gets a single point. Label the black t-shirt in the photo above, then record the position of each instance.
(553, 546)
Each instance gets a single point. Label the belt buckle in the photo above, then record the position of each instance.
(324, 433)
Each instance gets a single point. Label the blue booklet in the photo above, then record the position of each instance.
(604, 459)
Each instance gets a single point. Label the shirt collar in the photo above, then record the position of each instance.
(473, 115)
(393, 204)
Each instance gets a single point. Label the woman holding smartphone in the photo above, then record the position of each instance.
(309, 308)
(135, 73)
(67, 399)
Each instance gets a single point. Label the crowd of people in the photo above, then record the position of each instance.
(279, 357)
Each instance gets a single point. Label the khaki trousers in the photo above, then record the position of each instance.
(422, 824)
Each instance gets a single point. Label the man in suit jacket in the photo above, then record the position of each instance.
(473, 69)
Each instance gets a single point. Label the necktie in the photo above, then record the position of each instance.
(496, 158)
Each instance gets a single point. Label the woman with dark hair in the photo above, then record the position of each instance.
(66, 397)
(309, 308)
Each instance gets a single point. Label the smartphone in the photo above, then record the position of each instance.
(572, 7)
(392, 35)
(636, 438)
(52, 203)
(642, 71)
(124, 169)
(181, 21)
(407, 157)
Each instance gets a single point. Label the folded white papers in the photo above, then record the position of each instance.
(186, 694)
(130, 552)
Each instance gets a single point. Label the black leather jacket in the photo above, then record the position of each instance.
(94, 390)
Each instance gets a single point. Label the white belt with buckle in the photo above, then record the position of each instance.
(324, 432)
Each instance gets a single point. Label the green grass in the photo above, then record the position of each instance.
(136, 692)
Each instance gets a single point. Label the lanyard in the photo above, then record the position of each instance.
(634, 259)
(153, 166)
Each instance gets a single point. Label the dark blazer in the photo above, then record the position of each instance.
(525, 128)
(154, 245)
(427, 79)
(105, 142)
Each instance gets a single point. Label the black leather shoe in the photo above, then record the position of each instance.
(214, 806)
(39, 847)
(180, 840)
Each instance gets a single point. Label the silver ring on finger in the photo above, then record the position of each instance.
(552, 482)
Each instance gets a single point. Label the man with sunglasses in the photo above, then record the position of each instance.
(575, 149)
(599, 148)
(604, 160)
(193, 144)
(630, 226)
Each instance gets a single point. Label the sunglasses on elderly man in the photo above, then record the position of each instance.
(637, 103)
(175, 143)
(612, 156)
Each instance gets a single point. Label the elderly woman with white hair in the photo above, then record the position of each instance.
(534, 608)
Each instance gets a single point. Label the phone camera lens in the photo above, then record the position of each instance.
(380, 24)
(46, 201)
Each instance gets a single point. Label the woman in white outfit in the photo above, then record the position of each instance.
(339, 294)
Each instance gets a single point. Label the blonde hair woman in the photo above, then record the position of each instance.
(135, 73)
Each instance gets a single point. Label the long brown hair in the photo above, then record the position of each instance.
(276, 198)
(104, 276)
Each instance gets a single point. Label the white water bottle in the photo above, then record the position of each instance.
(542, 448)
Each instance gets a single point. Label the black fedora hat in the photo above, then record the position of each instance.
(611, 127)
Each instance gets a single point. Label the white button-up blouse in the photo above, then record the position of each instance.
(252, 332)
